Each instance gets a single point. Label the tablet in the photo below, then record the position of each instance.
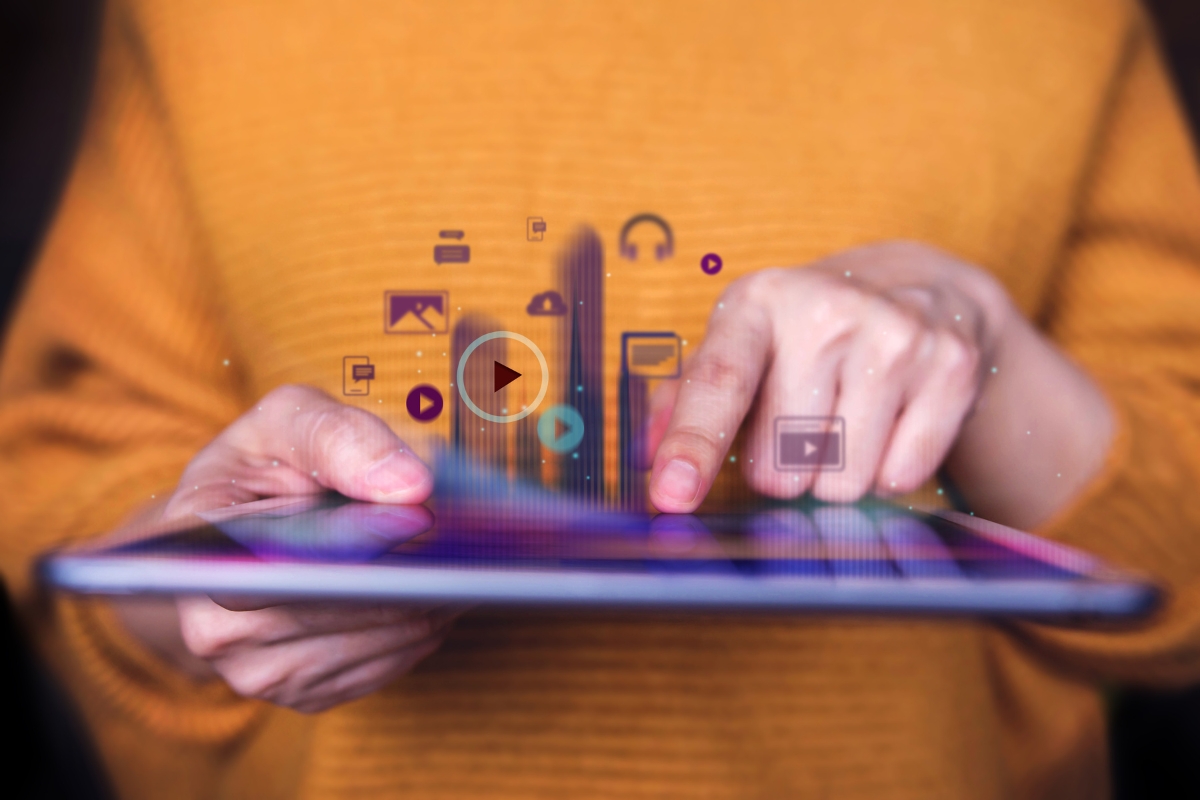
(809, 557)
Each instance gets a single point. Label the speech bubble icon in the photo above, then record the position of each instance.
(452, 254)
(363, 372)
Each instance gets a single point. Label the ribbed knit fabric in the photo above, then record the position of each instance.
(256, 175)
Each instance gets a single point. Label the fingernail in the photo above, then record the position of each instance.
(396, 472)
(679, 481)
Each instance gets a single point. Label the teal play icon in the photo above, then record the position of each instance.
(560, 428)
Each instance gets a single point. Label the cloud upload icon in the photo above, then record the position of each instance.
(546, 304)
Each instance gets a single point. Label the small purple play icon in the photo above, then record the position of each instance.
(424, 403)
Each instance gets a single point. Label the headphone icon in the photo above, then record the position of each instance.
(664, 249)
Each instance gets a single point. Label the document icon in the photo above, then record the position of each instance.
(357, 374)
(416, 312)
(651, 354)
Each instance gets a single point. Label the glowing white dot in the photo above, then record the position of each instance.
(752, 461)
(720, 305)
(151, 497)
(293, 449)
(418, 372)
(608, 274)
(574, 455)
(380, 401)
(275, 463)
(995, 370)
(195, 487)
(721, 434)
(847, 273)
(297, 408)
(958, 317)
(870, 371)
(732, 459)
(418, 354)
(1028, 433)
(314, 473)
(941, 491)
(227, 362)
(1060, 474)
(816, 391)
(260, 408)
(504, 411)
(797, 479)
(893, 484)
(684, 342)
(234, 480)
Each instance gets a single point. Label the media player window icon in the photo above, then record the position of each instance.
(810, 444)
(651, 354)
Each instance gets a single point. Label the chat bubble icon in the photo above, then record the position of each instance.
(451, 234)
(363, 372)
(416, 312)
(452, 254)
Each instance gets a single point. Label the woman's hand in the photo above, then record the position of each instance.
(307, 656)
(924, 357)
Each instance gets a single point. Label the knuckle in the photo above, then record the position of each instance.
(256, 683)
(292, 394)
(720, 374)
(960, 357)
(204, 638)
(698, 441)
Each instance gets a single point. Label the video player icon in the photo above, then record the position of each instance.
(560, 428)
(424, 403)
(810, 443)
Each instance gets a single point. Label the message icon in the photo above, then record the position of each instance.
(416, 312)
(810, 443)
(357, 374)
(535, 229)
(651, 354)
(452, 254)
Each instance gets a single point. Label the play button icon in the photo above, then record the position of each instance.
(502, 376)
(424, 403)
(560, 428)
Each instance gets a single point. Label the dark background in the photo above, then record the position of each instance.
(47, 52)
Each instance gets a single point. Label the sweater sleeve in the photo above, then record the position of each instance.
(1127, 306)
(116, 369)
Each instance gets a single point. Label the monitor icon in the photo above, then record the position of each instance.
(416, 312)
(651, 354)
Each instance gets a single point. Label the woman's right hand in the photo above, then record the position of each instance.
(313, 655)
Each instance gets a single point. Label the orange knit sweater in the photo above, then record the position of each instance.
(255, 175)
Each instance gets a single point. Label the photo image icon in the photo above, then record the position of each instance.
(416, 312)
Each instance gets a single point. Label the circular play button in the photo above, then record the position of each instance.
(424, 403)
(560, 428)
(502, 374)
